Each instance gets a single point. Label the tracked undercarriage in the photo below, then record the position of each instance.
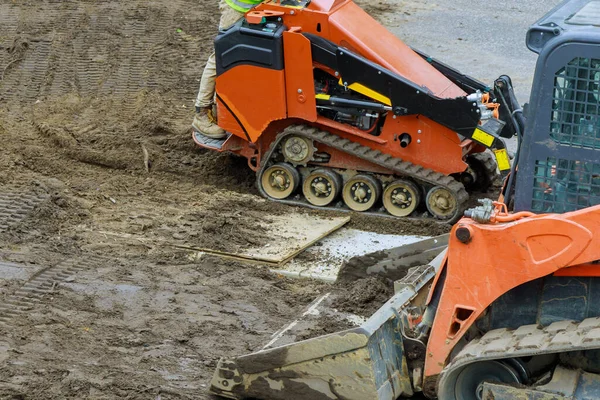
(402, 189)
(551, 361)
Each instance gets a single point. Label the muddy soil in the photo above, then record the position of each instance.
(96, 98)
(364, 296)
(348, 305)
(143, 329)
(324, 326)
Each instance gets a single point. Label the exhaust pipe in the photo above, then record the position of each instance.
(405, 140)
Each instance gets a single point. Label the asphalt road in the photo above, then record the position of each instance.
(484, 39)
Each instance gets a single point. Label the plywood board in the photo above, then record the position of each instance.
(288, 235)
(291, 234)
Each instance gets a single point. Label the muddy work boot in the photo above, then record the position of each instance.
(204, 122)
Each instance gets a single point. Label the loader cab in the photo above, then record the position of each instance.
(559, 167)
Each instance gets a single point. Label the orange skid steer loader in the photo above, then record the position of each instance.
(333, 111)
(511, 309)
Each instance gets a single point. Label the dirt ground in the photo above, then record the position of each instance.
(96, 98)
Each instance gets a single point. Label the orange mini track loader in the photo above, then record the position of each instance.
(511, 309)
(332, 110)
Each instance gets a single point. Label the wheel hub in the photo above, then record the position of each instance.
(279, 180)
(469, 383)
(321, 187)
(401, 197)
(298, 150)
(441, 202)
(361, 192)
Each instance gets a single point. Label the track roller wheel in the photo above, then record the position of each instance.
(279, 181)
(401, 198)
(298, 150)
(441, 203)
(469, 382)
(322, 187)
(361, 192)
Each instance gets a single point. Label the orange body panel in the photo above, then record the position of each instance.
(426, 152)
(432, 146)
(255, 96)
(229, 122)
(251, 99)
(500, 257)
(299, 78)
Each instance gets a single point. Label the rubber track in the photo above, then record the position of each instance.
(397, 165)
(44, 282)
(15, 207)
(489, 164)
(527, 340)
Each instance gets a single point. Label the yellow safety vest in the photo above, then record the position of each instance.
(243, 6)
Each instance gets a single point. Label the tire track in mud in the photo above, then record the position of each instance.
(130, 74)
(61, 76)
(15, 207)
(9, 17)
(27, 72)
(138, 68)
(91, 49)
(33, 72)
(162, 51)
(92, 56)
(32, 293)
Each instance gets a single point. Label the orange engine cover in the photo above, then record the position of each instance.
(251, 98)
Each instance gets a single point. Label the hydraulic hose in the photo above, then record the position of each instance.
(518, 121)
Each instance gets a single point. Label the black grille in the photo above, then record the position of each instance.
(565, 185)
(575, 108)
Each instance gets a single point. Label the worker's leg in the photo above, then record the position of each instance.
(229, 16)
(204, 120)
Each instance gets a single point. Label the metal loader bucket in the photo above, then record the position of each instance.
(366, 362)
